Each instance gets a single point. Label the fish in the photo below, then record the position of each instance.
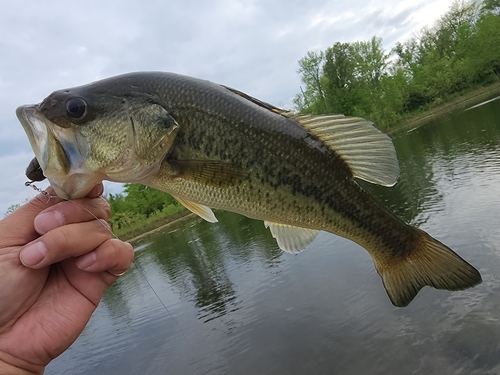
(214, 147)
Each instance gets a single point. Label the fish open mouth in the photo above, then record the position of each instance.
(57, 153)
(35, 129)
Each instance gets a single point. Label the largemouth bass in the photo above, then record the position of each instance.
(211, 146)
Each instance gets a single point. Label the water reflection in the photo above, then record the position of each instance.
(194, 263)
(223, 299)
(458, 147)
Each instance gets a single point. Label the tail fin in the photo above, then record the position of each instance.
(431, 263)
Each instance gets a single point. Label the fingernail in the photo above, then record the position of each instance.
(48, 221)
(85, 261)
(100, 189)
(33, 254)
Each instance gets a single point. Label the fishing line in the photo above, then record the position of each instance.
(172, 316)
(49, 196)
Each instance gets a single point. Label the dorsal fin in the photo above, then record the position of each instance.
(260, 103)
(368, 152)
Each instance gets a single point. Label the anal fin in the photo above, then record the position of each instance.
(291, 239)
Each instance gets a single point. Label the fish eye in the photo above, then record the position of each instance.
(76, 108)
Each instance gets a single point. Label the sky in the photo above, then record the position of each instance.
(250, 45)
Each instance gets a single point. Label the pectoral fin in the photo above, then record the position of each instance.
(291, 239)
(204, 212)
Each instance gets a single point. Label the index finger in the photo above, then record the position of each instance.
(20, 227)
(71, 212)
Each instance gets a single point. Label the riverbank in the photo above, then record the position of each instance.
(169, 222)
(136, 234)
(462, 101)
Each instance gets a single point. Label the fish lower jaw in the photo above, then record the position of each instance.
(76, 185)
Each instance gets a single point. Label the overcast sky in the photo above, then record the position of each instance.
(252, 46)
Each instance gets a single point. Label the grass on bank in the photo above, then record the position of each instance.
(126, 225)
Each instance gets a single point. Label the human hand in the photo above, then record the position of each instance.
(46, 301)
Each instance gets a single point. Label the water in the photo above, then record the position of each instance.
(228, 301)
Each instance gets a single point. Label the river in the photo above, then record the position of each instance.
(223, 299)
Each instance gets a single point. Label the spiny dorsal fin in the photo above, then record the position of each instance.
(260, 103)
(368, 152)
(202, 211)
(291, 239)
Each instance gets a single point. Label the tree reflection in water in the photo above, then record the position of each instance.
(198, 260)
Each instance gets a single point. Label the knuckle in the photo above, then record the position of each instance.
(68, 209)
(107, 209)
(102, 207)
(123, 251)
(63, 237)
(130, 251)
(102, 227)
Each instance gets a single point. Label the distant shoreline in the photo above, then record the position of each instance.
(163, 224)
(138, 234)
(465, 100)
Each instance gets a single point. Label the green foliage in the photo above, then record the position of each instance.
(16, 206)
(459, 52)
(491, 6)
(310, 70)
(138, 206)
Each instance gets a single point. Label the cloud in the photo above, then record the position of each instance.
(251, 45)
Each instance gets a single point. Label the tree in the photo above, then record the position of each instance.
(459, 51)
(339, 71)
(371, 61)
(140, 200)
(310, 68)
(138, 204)
(484, 48)
(492, 6)
(145, 200)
